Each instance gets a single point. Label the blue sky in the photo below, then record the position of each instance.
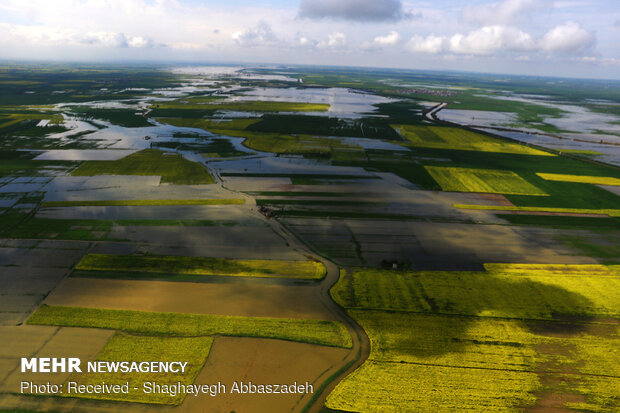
(573, 38)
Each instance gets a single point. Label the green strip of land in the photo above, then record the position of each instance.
(163, 264)
(143, 202)
(610, 212)
(322, 332)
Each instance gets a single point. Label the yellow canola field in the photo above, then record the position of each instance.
(452, 341)
(609, 212)
(482, 180)
(596, 180)
(394, 387)
(442, 137)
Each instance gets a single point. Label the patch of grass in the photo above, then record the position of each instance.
(322, 332)
(141, 202)
(202, 266)
(595, 180)
(442, 137)
(172, 168)
(121, 347)
(610, 212)
(482, 180)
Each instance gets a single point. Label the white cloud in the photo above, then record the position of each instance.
(41, 36)
(261, 34)
(491, 39)
(429, 44)
(388, 40)
(569, 37)
(105, 39)
(100, 30)
(336, 40)
(607, 61)
(358, 10)
(139, 41)
(507, 12)
(305, 42)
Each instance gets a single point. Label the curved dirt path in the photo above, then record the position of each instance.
(360, 349)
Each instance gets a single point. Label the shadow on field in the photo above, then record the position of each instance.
(542, 309)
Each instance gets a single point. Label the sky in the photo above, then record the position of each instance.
(572, 38)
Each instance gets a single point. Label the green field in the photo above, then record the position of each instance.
(172, 168)
(124, 347)
(442, 137)
(327, 333)
(202, 266)
(142, 202)
(610, 212)
(482, 180)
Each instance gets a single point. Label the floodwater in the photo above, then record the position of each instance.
(577, 119)
(344, 103)
(608, 153)
(84, 154)
(583, 128)
(286, 165)
(101, 140)
(477, 117)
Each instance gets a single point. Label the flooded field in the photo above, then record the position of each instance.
(200, 195)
